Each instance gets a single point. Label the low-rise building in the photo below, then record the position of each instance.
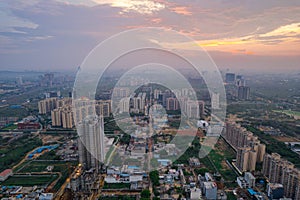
(5, 174)
(46, 196)
(210, 190)
(194, 162)
(275, 191)
(248, 181)
(196, 194)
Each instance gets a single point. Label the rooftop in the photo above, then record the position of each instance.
(5, 172)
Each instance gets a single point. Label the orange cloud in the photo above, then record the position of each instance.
(289, 30)
(283, 40)
(156, 20)
(181, 10)
(242, 51)
(215, 43)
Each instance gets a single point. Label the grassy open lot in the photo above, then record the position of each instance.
(289, 112)
(30, 180)
(220, 163)
(38, 166)
(10, 127)
(219, 155)
(13, 112)
(15, 151)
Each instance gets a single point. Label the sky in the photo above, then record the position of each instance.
(239, 35)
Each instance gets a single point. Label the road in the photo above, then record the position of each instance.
(60, 193)
(151, 131)
(113, 151)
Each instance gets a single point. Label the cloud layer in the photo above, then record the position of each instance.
(58, 34)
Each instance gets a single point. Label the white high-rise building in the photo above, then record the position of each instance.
(139, 103)
(157, 93)
(124, 105)
(215, 100)
(193, 109)
(91, 142)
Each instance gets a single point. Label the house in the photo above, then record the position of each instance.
(5, 174)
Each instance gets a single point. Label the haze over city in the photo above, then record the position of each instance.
(149, 100)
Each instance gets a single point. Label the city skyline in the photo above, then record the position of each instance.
(149, 100)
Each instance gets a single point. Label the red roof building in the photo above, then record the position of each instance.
(28, 125)
(5, 174)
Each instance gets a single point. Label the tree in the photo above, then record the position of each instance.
(145, 194)
(154, 176)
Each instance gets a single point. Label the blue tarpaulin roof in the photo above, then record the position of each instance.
(252, 192)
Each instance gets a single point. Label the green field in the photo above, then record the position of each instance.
(30, 180)
(219, 161)
(289, 112)
(13, 112)
(15, 151)
(10, 127)
(38, 166)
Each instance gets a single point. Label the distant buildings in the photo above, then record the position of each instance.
(86, 107)
(46, 105)
(157, 93)
(243, 93)
(19, 81)
(230, 78)
(279, 170)
(121, 92)
(172, 104)
(138, 103)
(240, 80)
(46, 80)
(103, 108)
(236, 87)
(124, 105)
(62, 111)
(52, 94)
(194, 109)
(215, 100)
(62, 116)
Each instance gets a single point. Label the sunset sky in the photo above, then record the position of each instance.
(242, 35)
